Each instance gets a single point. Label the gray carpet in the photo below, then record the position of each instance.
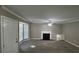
(43, 46)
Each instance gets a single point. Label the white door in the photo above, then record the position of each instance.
(10, 35)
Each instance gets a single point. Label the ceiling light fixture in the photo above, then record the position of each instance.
(49, 24)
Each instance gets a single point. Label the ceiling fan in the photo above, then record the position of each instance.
(50, 22)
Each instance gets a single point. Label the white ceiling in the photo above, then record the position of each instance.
(41, 13)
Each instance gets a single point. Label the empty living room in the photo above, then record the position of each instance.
(39, 28)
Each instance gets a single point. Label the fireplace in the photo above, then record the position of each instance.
(46, 36)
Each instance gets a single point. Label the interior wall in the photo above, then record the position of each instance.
(5, 13)
(71, 32)
(0, 34)
(36, 29)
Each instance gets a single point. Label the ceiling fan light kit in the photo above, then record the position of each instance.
(49, 24)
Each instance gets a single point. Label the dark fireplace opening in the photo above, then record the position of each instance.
(46, 36)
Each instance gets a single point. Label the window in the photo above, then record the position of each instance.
(23, 31)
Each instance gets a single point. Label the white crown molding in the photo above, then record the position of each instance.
(8, 10)
(75, 20)
(13, 13)
(69, 20)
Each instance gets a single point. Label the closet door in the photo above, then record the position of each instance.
(10, 35)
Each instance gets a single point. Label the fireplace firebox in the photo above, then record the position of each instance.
(46, 36)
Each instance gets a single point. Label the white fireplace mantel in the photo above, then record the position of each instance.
(46, 32)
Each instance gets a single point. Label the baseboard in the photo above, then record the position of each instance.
(23, 41)
(40, 39)
(36, 38)
(72, 43)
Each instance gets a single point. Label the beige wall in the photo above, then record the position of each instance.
(71, 32)
(37, 28)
